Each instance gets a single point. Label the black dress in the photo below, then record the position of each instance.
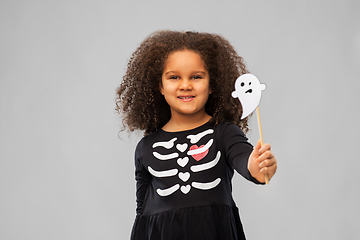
(184, 186)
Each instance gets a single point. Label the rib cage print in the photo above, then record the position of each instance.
(183, 152)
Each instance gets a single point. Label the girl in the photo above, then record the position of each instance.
(177, 89)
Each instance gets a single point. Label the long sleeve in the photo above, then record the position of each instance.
(237, 149)
(142, 177)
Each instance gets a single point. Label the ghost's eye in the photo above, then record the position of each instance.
(242, 84)
(249, 83)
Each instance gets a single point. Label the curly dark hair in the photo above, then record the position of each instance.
(138, 97)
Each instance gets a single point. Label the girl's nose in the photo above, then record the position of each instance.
(185, 84)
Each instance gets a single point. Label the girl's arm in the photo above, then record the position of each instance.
(237, 149)
(142, 177)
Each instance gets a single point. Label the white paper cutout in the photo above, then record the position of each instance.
(248, 90)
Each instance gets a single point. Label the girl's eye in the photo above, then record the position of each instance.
(196, 77)
(174, 77)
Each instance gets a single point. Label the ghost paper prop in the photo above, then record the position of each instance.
(248, 89)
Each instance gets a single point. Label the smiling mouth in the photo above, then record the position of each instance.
(186, 97)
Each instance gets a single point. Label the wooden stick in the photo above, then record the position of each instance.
(261, 138)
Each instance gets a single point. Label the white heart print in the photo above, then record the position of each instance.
(184, 176)
(185, 189)
(181, 147)
(183, 161)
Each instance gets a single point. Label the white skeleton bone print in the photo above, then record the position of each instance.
(196, 152)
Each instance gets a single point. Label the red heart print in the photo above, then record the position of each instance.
(199, 156)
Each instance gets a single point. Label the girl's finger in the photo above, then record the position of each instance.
(258, 146)
(256, 153)
(264, 170)
(266, 155)
(264, 148)
(269, 169)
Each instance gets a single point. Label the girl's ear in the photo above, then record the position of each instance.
(161, 88)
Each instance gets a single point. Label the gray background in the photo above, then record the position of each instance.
(64, 173)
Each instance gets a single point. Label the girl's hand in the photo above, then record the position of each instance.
(262, 161)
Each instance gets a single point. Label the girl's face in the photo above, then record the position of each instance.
(185, 84)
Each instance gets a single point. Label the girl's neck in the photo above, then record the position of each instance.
(185, 122)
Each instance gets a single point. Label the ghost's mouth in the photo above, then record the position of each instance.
(249, 91)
